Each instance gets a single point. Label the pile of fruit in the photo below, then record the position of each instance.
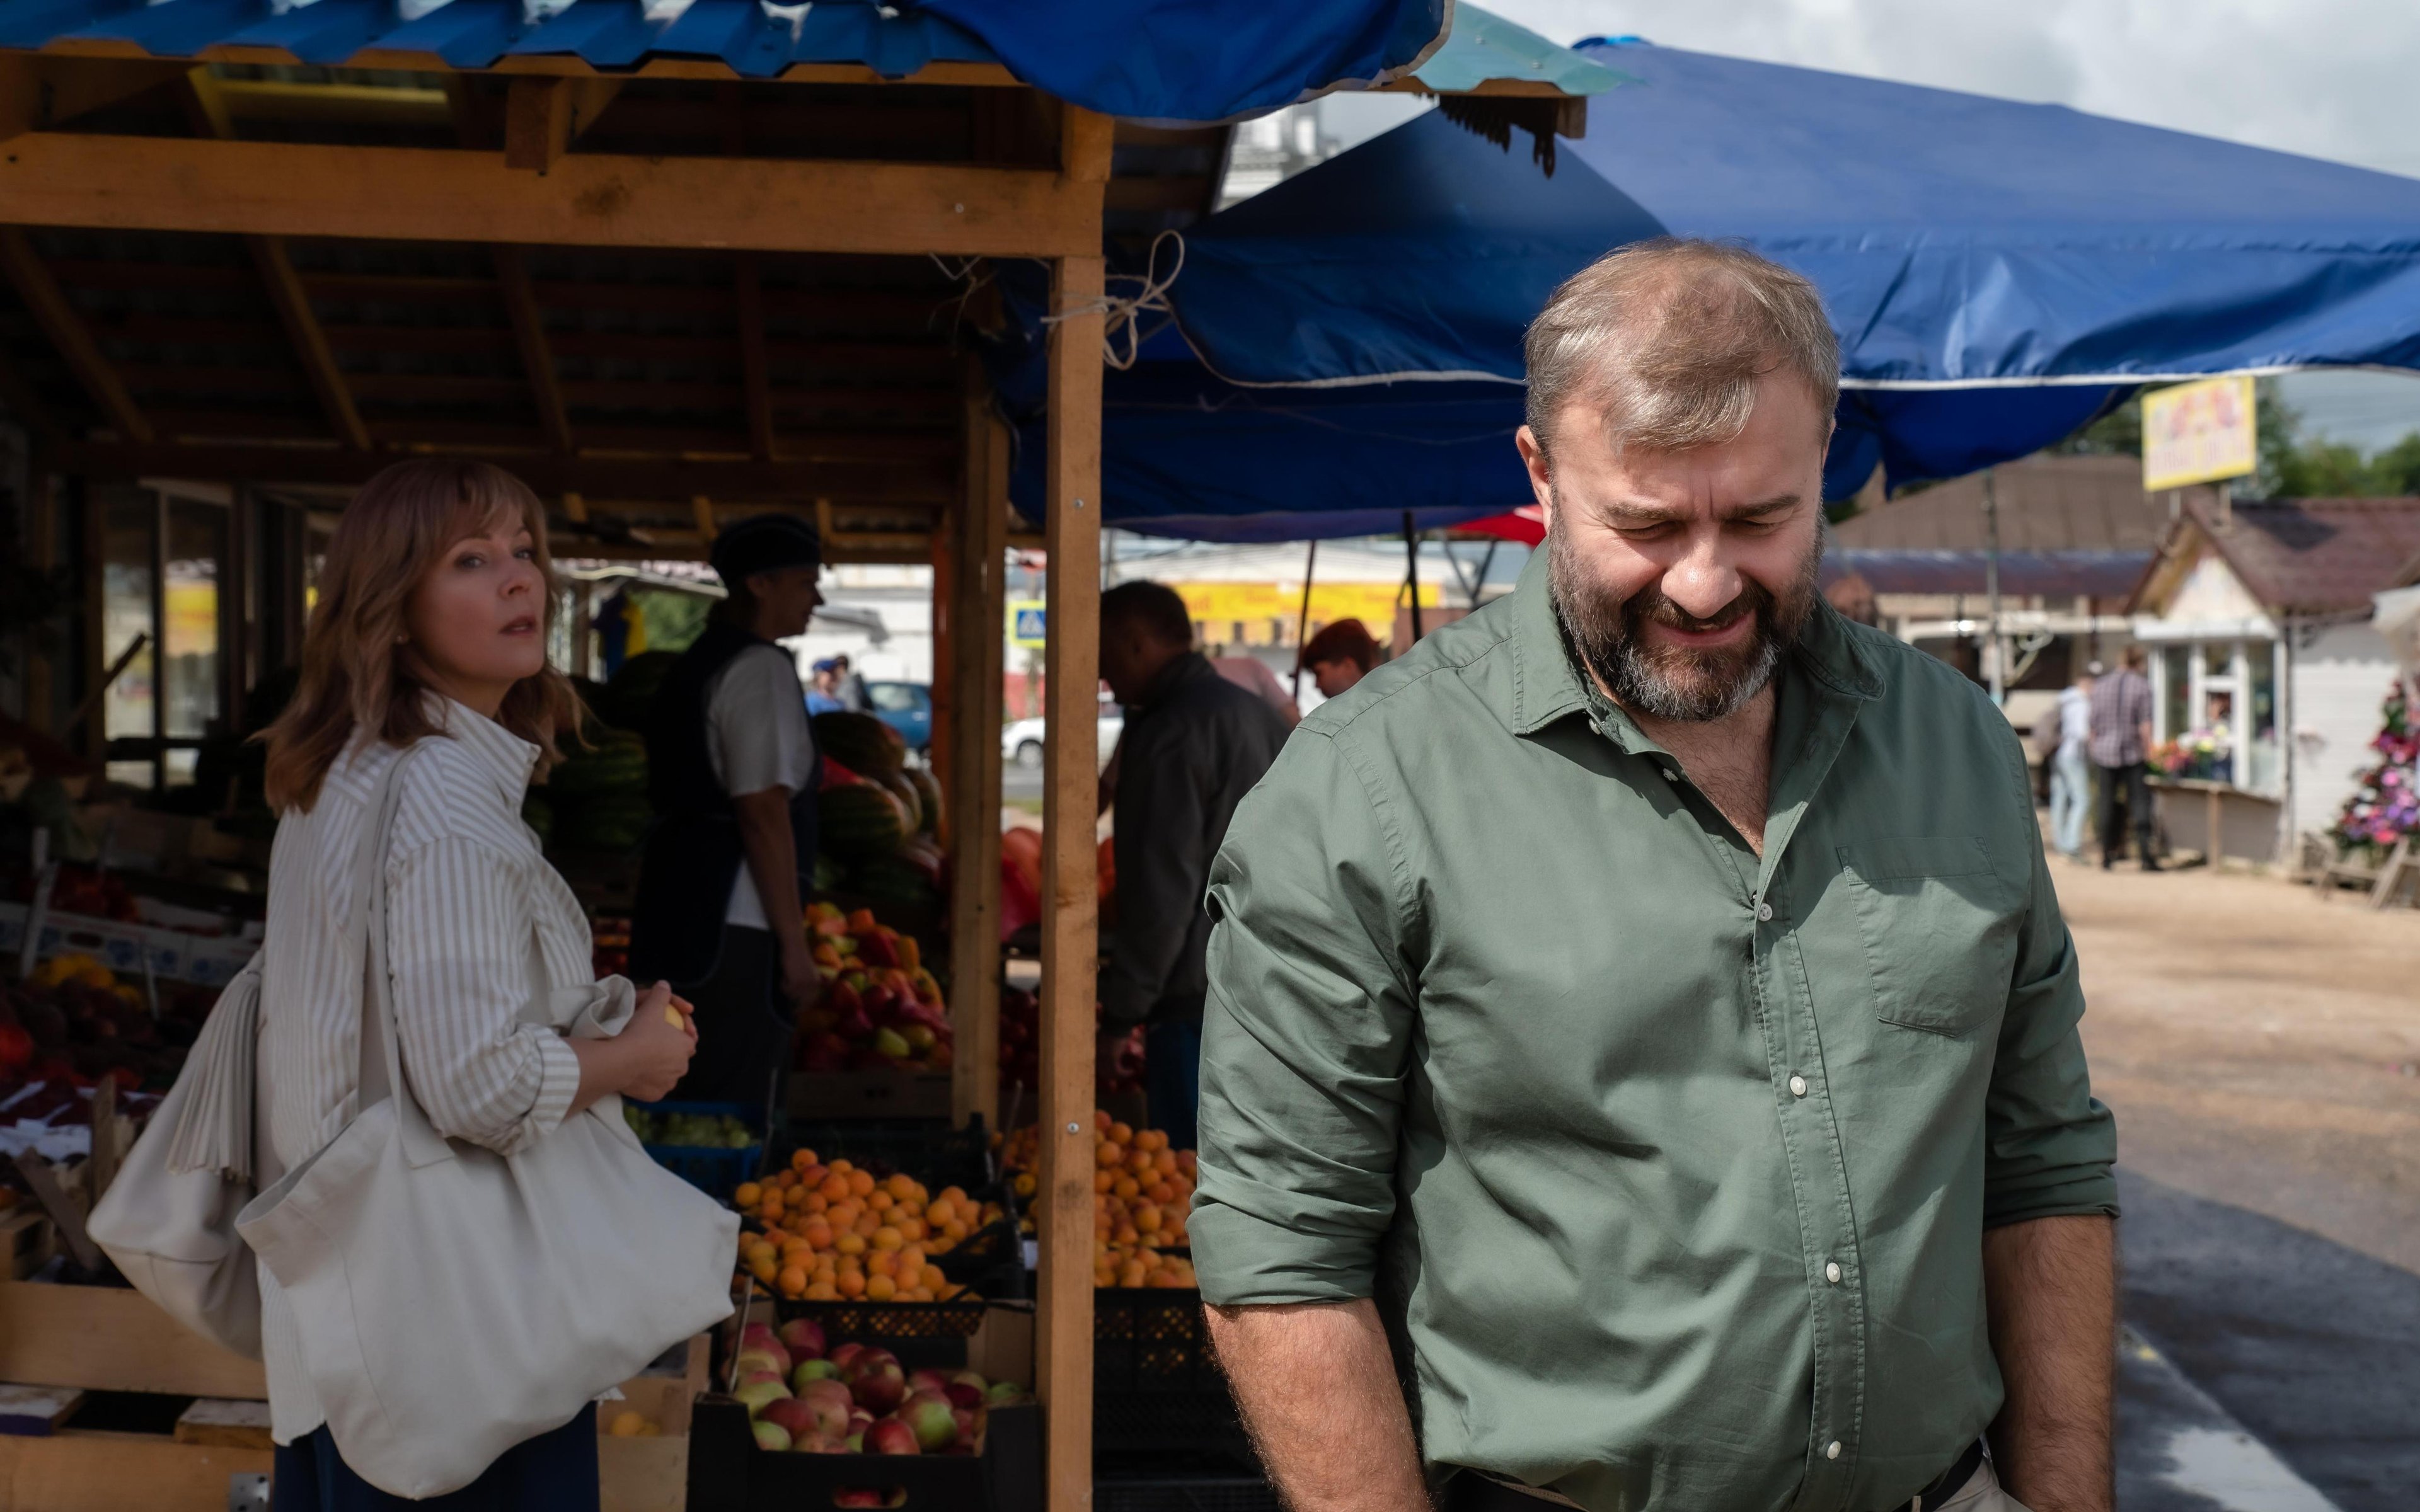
(834, 1233)
(1020, 1050)
(608, 941)
(881, 828)
(629, 1425)
(696, 1131)
(72, 1023)
(852, 1398)
(597, 798)
(880, 1007)
(1143, 1194)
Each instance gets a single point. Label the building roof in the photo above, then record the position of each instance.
(2110, 575)
(2046, 503)
(2299, 556)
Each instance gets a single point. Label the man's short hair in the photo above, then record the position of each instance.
(1152, 607)
(2134, 656)
(1667, 338)
(1344, 640)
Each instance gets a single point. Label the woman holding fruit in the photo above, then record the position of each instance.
(427, 646)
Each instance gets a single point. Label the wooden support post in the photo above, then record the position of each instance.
(48, 304)
(206, 105)
(702, 506)
(977, 610)
(543, 116)
(1070, 906)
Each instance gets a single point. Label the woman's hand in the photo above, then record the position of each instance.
(660, 1038)
(802, 981)
(646, 1059)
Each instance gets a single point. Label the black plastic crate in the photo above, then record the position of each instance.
(879, 1323)
(1156, 1388)
(727, 1472)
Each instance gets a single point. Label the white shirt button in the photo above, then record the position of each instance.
(1798, 1087)
(1765, 912)
(1832, 1450)
(1831, 1272)
(1671, 776)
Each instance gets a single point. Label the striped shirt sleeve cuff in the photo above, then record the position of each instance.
(558, 1084)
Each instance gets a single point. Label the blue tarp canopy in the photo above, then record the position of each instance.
(1997, 272)
(1197, 60)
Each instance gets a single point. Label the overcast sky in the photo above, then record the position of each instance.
(2328, 78)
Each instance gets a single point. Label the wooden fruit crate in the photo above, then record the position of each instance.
(27, 1241)
(821, 1095)
(651, 1474)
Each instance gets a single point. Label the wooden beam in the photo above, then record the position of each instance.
(38, 91)
(538, 359)
(754, 367)
(702, 509)
(543, 116)
(596, 476)
(587, 199)
(1070, 906)
(977, 619)
(207, 102)
(67, 335)
(575, 505)
(1086, 140)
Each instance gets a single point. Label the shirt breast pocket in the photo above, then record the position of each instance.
(1940, 929)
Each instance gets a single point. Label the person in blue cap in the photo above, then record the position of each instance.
(731, 769)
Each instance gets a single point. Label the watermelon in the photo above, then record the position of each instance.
(910, 803)
(928, 795)
(608, 823)
(626, 700)
(893, 879)
(860, 820)
(616, 764)
(861, 743)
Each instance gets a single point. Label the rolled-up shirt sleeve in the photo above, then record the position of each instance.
(2049, 1142)
(1306, 1036)
(458, 954)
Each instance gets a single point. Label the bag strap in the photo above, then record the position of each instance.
(381, 1065)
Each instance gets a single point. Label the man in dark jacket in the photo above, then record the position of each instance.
(1194, 745)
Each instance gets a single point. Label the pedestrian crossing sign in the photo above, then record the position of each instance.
(1026, 621)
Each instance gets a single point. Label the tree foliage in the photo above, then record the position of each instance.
(2292, 465)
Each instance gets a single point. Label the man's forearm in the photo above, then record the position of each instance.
(1316, 1383)
(2051, 1287)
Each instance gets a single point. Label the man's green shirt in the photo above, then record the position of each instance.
(1669, 1163)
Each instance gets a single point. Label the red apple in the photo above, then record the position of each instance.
(770, 1436)
(844, 1355)
(776, 1359)
(833, 1408)
(932, 1380)
(793, 1416)
(889, 1436)
(972, 1377)
(962, 1395)
(877, 1382)
(928, 1417)
(803, 1338)
(814, 1371)
(757, 1394)
(856, 1496)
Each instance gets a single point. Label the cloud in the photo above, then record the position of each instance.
(2327, 78)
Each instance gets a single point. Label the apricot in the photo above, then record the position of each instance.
(880, 1201)
(851, 1244)
(861, 1184)
(749, 1195)
(834, 1186)
(851, 1284)
(932, 1278)
(793, 1280)
(879, 1288)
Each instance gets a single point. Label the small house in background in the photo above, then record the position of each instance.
(2266, 670)
(2075, 534)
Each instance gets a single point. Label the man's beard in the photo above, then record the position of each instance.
(1669, 682)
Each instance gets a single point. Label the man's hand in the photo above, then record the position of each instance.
(802, 980)
(1316, 1383)
(1111, 1045)
(2051, 1288)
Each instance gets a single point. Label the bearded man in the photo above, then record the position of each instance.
(1640, 1067)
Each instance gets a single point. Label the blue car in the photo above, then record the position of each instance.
(906, 707)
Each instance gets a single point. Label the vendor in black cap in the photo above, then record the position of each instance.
(731, 769)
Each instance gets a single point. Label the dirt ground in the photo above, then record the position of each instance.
(2259, 1045)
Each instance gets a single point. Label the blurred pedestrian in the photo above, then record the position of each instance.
(2070, 765)
(2120, 743)
(823, 693)
(1338, 657)
(849, 687)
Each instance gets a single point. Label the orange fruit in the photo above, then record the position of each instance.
(792, 1280)
(942, 1210)
(932, 1278)
(1147, 1219)
(840, 1168)
(883, 1262)
(818, 1233)
(882, 1201)
(1124, 1187)
(889, 1237)
(861, 1184)
(881, 1288)
(749, 1195)
(823, 1292)
(761, 1266)
(805, 1158)
(851, 1244)
(1120, 1133)
(834, 1186)
(851, 1284)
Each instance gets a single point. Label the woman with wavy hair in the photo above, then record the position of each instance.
(429, 638)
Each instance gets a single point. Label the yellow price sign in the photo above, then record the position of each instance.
(2200, 433)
